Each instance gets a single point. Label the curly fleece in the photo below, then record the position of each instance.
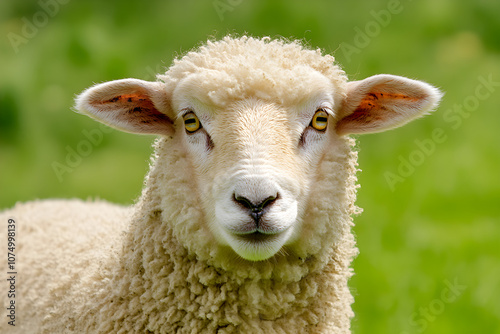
(93, 267)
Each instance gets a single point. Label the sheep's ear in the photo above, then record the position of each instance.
(383, 102)
(129, 105)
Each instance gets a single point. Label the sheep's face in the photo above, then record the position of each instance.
(254, 161)
(256, 118)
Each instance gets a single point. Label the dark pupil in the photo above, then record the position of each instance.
(320, 119)
(190, 121)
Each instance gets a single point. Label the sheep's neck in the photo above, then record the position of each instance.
(186, 292)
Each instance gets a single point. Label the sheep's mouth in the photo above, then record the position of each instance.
(257, 246)
(258, 237)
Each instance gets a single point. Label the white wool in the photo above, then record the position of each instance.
(162, 265)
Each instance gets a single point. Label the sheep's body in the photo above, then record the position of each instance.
(159, 266)
(58, 253)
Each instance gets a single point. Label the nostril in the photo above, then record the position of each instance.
(255, 208)
(244, 201)
(267, 202)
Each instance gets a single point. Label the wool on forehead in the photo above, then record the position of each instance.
(273, 70)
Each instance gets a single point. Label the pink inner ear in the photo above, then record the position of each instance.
(375, 107)
(378, 100)
(135, 109)
(132, 112)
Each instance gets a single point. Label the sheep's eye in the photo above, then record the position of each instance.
(191, 122)
(320, 120)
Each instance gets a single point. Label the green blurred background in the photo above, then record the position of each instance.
(431, 210)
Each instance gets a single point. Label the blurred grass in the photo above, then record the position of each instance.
(441, 224)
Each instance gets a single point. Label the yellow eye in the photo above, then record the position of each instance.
(320, 120)
(191, 122)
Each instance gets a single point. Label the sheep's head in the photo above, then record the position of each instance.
(256, 118)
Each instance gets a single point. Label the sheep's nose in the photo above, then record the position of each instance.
(256, 210)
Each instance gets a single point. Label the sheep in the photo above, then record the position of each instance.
(244, 222)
